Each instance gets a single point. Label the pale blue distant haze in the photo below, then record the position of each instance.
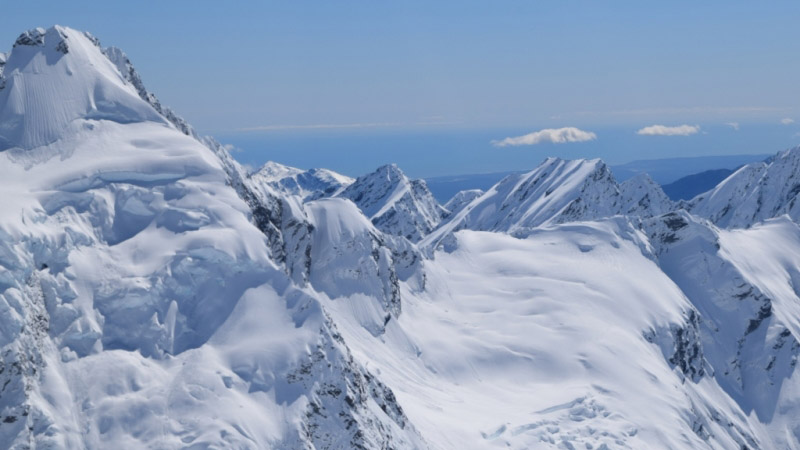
(429, 84)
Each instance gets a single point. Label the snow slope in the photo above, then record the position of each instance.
(589, 343)
(745, 327)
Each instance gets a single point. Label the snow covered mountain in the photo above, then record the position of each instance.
(461, 199)
(310, 184)
(135, 282)
(558, 191)
(153, 295)
(754, 193)
(642, 197)
(395, 204)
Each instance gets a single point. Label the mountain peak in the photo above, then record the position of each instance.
(395, 204)
(390, 171)
(55, 81)
(273, 171)
(754, 193)
(309, 185)
(642, 196)
(56, 38)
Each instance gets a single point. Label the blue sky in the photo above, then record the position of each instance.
(299, 71)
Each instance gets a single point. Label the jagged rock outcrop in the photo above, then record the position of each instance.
(3, 58)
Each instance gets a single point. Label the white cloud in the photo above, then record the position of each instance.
(787, 121)
(734, 125)
(552, 135)
(662, 130)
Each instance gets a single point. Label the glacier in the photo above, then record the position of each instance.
(156, 294)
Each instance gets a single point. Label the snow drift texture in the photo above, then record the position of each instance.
(153, 294)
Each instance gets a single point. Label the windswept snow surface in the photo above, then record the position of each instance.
(571, 338)
(152, 295)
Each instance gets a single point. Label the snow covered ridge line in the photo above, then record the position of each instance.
(558, 191)
(754, 193)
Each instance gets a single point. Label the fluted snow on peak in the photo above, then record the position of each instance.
(754, 193)
(56, 81)
(395, 204)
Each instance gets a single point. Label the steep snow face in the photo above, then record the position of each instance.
(641, 196)
(754, 193)
(558, 191)
(309, 185)
(461, 199)
(349, 260)
(57, 80)
(395, 204)
(747, 323)
(139, 284)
